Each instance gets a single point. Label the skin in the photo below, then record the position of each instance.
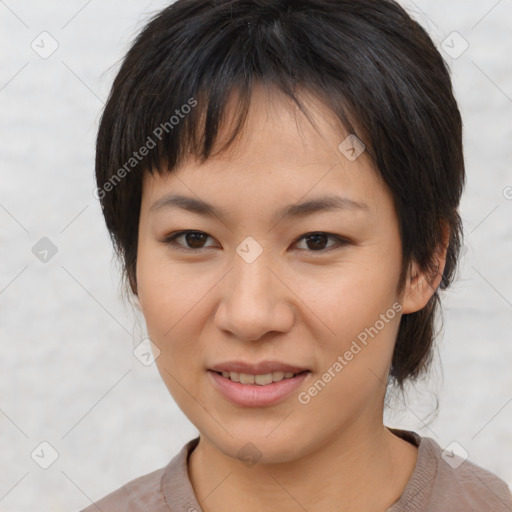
(300, 302)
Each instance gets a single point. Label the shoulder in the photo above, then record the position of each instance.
(141, 494)
(443, 482)
(157, 491)
(459, 484)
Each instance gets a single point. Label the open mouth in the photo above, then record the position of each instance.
(261, 380)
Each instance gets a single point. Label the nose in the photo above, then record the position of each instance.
(254, 301)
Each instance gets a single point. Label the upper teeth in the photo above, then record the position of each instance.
(267, 378)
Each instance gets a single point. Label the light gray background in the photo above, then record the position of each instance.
(68, 375)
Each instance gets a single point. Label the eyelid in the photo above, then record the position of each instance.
(340, 241)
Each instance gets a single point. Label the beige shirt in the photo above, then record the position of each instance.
(435, 486)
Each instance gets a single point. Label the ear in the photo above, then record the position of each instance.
(419, 288)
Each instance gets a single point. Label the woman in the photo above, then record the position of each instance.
(281, 180)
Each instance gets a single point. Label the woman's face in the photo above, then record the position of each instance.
(256, 285)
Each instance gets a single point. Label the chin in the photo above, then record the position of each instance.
(254, 445)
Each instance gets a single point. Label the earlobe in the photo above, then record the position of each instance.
(419, 290)
(421, 285)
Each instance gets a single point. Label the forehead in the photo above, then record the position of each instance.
(278, 151)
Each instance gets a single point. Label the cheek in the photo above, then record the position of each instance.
(352, 297)
(167, 302)
(359, 315)
(172, 299)
(157, 293)
(355, 353)
(164, 289)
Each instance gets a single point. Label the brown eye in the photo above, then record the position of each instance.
(316, 242)
(194, 240)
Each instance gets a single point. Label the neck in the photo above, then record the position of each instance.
(361, 469)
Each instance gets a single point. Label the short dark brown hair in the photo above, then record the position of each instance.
(368, 61)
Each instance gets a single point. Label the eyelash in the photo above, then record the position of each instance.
(171, 240)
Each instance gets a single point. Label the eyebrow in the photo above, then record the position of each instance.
(319, 204)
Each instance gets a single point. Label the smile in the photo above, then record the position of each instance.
(260, 390)
(260, 380)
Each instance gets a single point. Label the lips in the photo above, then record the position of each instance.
(261, 368)
(256, 390)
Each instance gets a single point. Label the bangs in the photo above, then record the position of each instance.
(176, 102)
